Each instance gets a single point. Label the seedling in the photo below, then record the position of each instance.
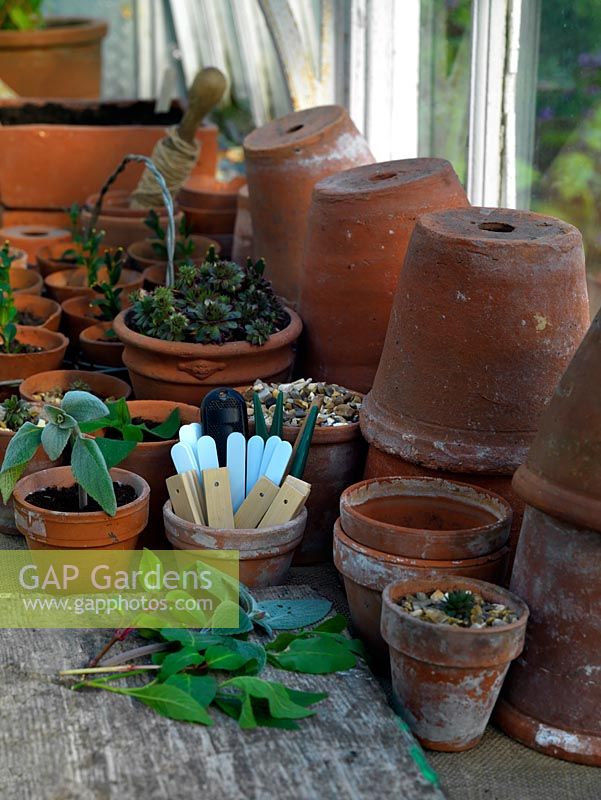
(184, 245)
(458, 603)
(8, 312)
(110, 301)
(21, 15)
(88, 253)
(119, 419)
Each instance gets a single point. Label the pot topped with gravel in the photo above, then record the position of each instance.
(460, 607)
(337, 405)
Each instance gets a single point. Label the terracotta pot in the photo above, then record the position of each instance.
(50, 259)
(74, 283)
(53, 530)
(186, 372)
(38, 462)
(152, 461)
(143, 256)
(122, 225)
(63, 58)
(425, 518)
(33, 238)
(490, 307)
(97, 349)
(265, 553)
(84, 142)
(78, 314)
(226, 242)
(25, 281)
(15, 366)
(551, 699)
(42, 307)
(24, 216)
(208, 222)
(102, 385)
(242, 247)
(360, 223)
(446, 679)
(19, 257)
(367, 572)
(206, 192)
(284, 161)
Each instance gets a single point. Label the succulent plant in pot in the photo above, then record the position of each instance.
(218, 324)
(85, 505)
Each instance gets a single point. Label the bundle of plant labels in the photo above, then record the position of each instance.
(260, 484)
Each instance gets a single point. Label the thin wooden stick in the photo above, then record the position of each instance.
(99, 670)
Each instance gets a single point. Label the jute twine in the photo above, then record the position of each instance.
(175, 158)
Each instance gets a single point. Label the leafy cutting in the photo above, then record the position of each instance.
(8, 312)
(184, 245)
(119, 419)
(109, 303)
(87, 253)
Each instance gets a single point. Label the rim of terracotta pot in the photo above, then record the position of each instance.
(165, 407)
(277, 340)
(116, 204)
(51, 341)
(253, 543)
(205, 191)
(401, 540)
(33, 281)
(450, 645)
(60, 279)
(52, 307)
(91, 341)
(59, 31)
(282, 137)
(62, 377)
(142, 253)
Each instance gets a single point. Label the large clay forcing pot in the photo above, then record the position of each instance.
(490, 307)
(360, 223)
(15, 366)
(284, 161)
(367, 571)
(32, 238)
(446, 679)
(242, 247)
(185, 372)
(265, 553)
(50, 530)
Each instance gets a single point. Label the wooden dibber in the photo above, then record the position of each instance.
(218, 498)
(288, 502)
(256, 505)
(186, 497)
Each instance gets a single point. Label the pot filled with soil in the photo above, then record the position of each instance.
(99, 345)
(265, 553)
(336, 456)
(79, 313)
(451, 643)
(37, 312)
(33, 238)
(51, 386)
(74, 283)
(284, 160)
(57, 257)
(33, 350)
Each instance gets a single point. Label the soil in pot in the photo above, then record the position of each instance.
(40, 349)
(35, 311)
(100, 345)
(66, 498)
(50, 386)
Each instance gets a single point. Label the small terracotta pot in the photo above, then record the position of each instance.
(206, 192)
(50, 258)
(265, 553)
(473, 353)
(78, 314)
(425, 518)
(186, 372)
(97, 349)
(208, 222)
(122, 225)
(367, 572)
(74, 283)
(284, 161)
(25, 281)
(152, 461)
(242, 247)
(552, 696)
(19, 257)
(42, 307)
(102, 385)
(53, 530)
(142, 254)
(15, 366)
(33, 238)
(446, 679)
(360, 223)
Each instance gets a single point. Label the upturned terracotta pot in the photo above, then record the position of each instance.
(74, 283)
(425, 518)
(15, 366)
(48, 311)
(206, 192)
(53, 530)
(122, 225)
(242, 247)
(78, 314)
(367, 571)
(284, 161)
(102, 385)
(446, 679)
(142, 255)
(152, 461)
(33, 238)
(25, 281)
(98, 349)
(360, 223)
(50, 258)
(186, 372)
(64, 58)
(265, 553)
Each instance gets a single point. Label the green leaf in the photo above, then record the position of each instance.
(234, 654)
(280, 704)
(171, 701)
(191, 638)
(334, 624)
(91, 473)
(95, 425)
(83, 406)
(21, 449)
(316, 655)
(54, 440)
(202, 688)
(255, 717)
(290, 614)
(178, 661)
(167, 429)
(114, 451)
(59, 417)
(132, 433)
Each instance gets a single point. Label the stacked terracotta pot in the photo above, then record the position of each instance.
(490, 307)
(284, 161)
(360, 223)
(210, 207)
(553, 692)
